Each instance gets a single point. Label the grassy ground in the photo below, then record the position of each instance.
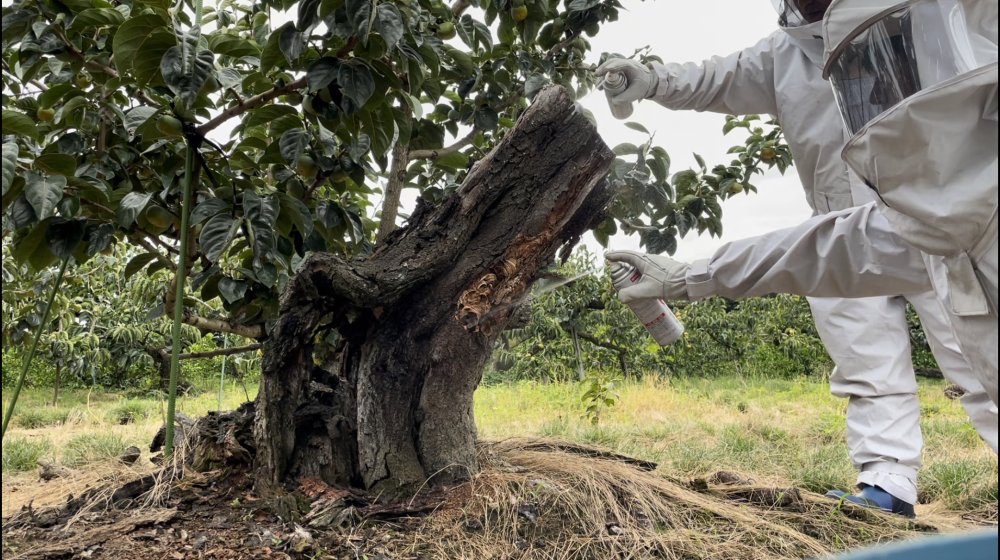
(773, 431)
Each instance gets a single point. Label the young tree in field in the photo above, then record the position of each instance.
(295, 141)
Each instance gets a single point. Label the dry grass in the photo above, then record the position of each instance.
(785, 435)
(556, 505)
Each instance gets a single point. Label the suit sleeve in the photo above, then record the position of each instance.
(851, 253)
(741, 83)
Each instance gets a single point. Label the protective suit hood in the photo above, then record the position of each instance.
(809, 39)
(916, 83)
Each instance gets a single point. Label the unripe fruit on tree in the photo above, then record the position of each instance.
(159, 217)
(306, 166)
(211, 84)
(295, 189)
(45, 114)
(446, 30)
(519, 13)
(768, 155)
(169, 125)
(736, 188)
(83, 80)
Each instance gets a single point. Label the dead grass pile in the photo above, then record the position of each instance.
(551, 500)
(533, 499)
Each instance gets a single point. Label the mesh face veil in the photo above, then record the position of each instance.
(877, 56)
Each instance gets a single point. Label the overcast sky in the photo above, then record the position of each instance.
(692, 31)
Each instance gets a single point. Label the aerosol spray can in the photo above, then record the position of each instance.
(615, 83)
(654, 314)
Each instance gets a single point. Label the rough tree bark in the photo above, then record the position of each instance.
(413, 324)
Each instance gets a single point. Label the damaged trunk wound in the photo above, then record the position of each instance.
(391, 408)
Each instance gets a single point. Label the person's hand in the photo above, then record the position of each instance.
(640, 80)
(662, 277)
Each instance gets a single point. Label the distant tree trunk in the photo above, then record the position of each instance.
(55, 385)
(415, 322)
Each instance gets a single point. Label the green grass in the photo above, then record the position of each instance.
(93, 447)
(130, 411)
(42, 417)
(780, 431)
(22, 453)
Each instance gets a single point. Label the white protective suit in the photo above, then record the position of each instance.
(868, 339)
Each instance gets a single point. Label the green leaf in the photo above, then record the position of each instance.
(356, 82)
(232, 290)
(131, 35)
(700, 160)
(268, 113)
(322, 72)
(32, 248)
(534, 84)
(232, 45)
(455, 160)
(581, 5)
(297, 212)
(293, 143)
(637, 126)
(51, 96)
(63, 236)
(308, 14)
(216, 235)
(137, 263)
(57, 164)
(209, 208)
(14, 122)
(96, 17)
(271, 55)
(130, 206)
(389, 24)
(99, 238)
(292, 43)
(262, 212)
(185, 72)
(625, 149)
(10, 151)
(138, 117)
(146, 63)
(43, 193)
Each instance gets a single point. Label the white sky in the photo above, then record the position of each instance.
(694, 31)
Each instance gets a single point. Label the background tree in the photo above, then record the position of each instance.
(110, 107)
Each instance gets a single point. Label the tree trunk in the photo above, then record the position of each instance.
(55, 385)
(408, 329)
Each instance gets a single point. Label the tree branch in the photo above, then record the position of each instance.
(393, 190)
(145, 244)
(221, 325)
(598, 342)
(440, 152)
(221, 352)
(251, 103)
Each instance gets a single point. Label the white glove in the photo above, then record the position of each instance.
(641, 81)
(662, 277)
